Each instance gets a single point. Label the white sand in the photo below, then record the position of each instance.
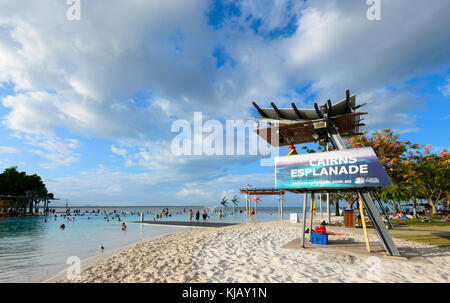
(253, 253)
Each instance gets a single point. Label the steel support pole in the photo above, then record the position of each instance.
(320, 204)
(328, 209)
(380, 228)
(304, 219)
(311, 214)
(281, 207)
(328, 204)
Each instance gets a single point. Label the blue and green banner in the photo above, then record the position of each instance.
(358, 167)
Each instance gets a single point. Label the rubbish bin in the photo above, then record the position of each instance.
(349, 218)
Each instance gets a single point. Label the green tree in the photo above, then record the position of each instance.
(430, 175)
(395, 197)
(15, 183)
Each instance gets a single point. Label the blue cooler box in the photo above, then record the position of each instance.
(319, 239)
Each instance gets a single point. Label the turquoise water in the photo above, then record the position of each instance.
(32, 250)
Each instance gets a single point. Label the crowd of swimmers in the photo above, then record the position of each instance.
(203, 214)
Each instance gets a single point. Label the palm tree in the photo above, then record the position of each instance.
(235, 201)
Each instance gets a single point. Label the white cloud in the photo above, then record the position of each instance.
(119, 151)
(8, 150)
(59, 152)
(445, 89)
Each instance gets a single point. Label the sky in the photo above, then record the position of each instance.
(89, 93)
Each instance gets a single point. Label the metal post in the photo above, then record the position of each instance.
(279, 203)
(281, 209)
(304, 219)
(363, 221)
(311, 214)
(380, 228)
(328, 204)
(248, 204)
(320, 204)
(328, 209)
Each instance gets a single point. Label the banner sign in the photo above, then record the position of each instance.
(358, 167)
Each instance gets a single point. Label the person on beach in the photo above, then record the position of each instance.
(322, 230)
(191, 213)
(292, 150)
(220, 214)
(197, 215)
(204, 215)
(124, 227)
(358, 218)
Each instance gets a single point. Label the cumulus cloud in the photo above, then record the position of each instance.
(58, 152)
(445, 89)
(8, 150)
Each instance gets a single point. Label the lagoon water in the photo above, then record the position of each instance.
(32, 250)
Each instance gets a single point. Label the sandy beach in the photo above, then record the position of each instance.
(253, 253)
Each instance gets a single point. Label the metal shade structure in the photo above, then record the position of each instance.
(297, 126)
(249, 191)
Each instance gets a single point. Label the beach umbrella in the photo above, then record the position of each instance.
(256, 199)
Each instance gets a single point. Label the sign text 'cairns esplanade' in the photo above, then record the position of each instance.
(346, 168)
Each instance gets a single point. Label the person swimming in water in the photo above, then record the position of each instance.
(124, 227)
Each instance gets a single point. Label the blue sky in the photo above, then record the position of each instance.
(88, 104)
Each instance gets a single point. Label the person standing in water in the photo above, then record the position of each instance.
(204, 214)
(191, 213)
(197, 215)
